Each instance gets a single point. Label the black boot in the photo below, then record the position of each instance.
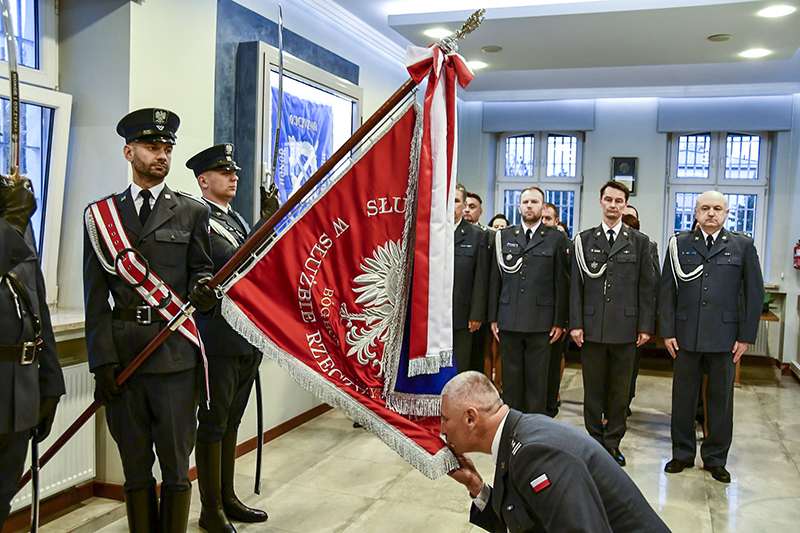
(175, 510)
(235, 509)
(208, 459)
(142, 508)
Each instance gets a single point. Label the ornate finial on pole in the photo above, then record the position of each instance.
(450, 44)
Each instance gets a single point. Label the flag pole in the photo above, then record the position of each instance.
(251, 244)
(255, 240)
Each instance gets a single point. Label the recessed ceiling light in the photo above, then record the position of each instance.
(776, 11)
(476, 65)
(492, 49)
(720, 37)
(755, 53)
(438, 33)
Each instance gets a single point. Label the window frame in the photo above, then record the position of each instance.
(717, 181)
(539, 179)
(61, 104)
(47, 73)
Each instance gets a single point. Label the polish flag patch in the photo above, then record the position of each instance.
(540, 483)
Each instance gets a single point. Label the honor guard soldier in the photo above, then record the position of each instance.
(612, 305)
(147, 249)
(232, 360)
(528, 301)
(710, 299)
(31, 381)
(470, 286)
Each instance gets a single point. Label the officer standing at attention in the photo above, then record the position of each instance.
(557, 350)
(156, 407)
(612, 305)
(528, 301)
(232, 360)
(470, 286)
(31, 381)
(710, 300)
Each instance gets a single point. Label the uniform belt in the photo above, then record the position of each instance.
(142, 315)
(24, 354)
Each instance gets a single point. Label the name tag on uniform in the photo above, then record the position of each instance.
(689, 252)
(512, 245)
(595, 251)
(465, 245)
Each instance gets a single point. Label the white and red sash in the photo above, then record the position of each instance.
(130, 268)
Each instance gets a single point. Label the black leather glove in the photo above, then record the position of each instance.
(47, 413)
(270, 201)
(203, 297)
(17, 204)
(105, 384)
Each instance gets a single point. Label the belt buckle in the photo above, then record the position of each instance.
(28, 353)
(144, 315)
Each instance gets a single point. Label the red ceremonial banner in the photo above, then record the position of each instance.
(328, 298)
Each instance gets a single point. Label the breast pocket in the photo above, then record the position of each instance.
(729, 260)
(172, 247)
(465, 250)
(690, 260)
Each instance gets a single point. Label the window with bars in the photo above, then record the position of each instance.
(36, 127)
(24, 18)
(549, 160)
(734, 163)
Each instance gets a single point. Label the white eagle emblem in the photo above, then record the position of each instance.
(228, 149)
(379, 289)
(159, 118)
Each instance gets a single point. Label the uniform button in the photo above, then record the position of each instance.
(704, 304)
(524, 266)
(523, 277)
(522, 290)
(705, 288)
(609, 272)
(172, 237)
(610, 259)
(608, 286)
(144, 240)
(706, 274)
(608, 299)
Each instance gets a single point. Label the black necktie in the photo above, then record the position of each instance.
(528, 235)
(144, 211)
(611, 237)
(709, 242)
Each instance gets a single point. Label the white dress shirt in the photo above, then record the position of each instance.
(482, 499)
(137, 197)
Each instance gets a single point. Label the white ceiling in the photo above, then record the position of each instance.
(562, 48)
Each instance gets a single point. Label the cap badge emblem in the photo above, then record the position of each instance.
(159, 118)
(228, 149)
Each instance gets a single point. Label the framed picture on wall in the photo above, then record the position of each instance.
(623, 169)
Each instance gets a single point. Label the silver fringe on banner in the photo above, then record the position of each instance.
(432, 467)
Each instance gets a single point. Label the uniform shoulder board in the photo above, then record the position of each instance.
(684, 232)
(587, 231)
(191, 196)
(744, 233)
(90, 204)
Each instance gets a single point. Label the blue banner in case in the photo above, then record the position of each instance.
(306, 140)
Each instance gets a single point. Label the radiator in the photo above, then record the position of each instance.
(760, 346)
(74, 464)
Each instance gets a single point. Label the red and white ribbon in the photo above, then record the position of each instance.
(131, 269)
(432, 287)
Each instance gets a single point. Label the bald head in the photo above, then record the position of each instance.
(711, 211)
(472, 389)
(471, 412)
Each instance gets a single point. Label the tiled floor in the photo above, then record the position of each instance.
(328, 477)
